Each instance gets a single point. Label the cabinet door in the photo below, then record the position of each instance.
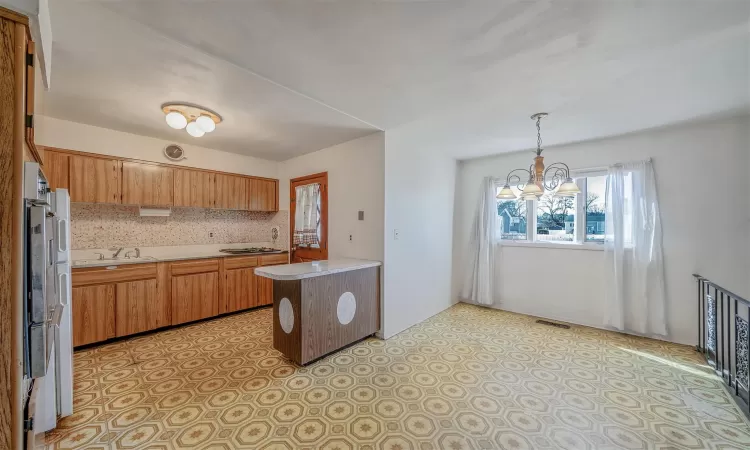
(195, 297)
(93, 314)
(147, 184)
(263, 195)
(56, 168)
(139, 307)
(231, 192)
(194, 188)
(265, 291)
(240, 290)
(94, 180)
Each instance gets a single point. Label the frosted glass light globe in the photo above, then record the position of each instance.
(206, 123)
(194, 130)
(176, 120)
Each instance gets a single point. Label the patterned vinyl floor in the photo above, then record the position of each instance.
(468, 378)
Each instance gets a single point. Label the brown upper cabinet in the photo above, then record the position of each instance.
(94, 180)
(231, 192)
(194, 188)
(57, 168)
(147, 184)
(263, 195)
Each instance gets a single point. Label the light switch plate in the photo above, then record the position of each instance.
(361, 215)
(395, 234)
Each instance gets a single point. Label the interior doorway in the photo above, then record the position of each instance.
(309, 218)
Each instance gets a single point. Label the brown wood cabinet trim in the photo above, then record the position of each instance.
(11, 229)
(101, 275)
(194, 266)
(176, 166)
(164, 287)
(16, 17)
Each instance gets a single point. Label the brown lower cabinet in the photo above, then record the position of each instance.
(118, 301)
(138, 307)
(195, 297)
(240, 290)
(93, 313)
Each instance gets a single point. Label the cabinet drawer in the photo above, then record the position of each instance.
(240, 262)
(195, 266)
(113, 274)
(267, 260)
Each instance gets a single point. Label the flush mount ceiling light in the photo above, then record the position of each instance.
(539, 179)
(196, 120)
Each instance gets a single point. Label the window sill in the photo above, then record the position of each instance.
(591, 246)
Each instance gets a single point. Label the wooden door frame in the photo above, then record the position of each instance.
(323, 210)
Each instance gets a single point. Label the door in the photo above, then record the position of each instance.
(147, 184)
(93, 313)
(94, 180)
(309, 218)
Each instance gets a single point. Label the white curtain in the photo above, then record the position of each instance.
(306, 214)
(479, 285)
(634, 266)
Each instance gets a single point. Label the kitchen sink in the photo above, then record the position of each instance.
(112, 261)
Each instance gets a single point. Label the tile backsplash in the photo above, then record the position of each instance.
(102, 226)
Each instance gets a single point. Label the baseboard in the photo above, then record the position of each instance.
(558, 318)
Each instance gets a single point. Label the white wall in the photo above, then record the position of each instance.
(419, 196)
(355, 183)
(701, 171)
(86, 138)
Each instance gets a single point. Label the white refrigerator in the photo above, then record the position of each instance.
(54, 397)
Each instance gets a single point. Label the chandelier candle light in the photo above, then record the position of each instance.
(556, 176)
(196, 120)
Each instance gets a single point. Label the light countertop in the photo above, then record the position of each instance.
(314, 269)
(88, 257)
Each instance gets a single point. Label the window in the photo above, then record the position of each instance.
(574, 220)
(513, 220)
(596, 189)
(555, 218)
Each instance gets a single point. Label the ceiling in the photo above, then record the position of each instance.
(292, 77)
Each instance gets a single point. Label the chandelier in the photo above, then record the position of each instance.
(555, 178)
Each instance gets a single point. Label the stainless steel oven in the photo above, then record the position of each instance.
(41, 308)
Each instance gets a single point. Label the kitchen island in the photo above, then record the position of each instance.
(322, 306)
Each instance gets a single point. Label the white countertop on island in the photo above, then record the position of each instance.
(300, 271)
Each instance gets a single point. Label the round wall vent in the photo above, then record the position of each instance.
(174, 152)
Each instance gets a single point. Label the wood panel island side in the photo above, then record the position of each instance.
(322, 306)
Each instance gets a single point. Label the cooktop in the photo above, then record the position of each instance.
(240, 251)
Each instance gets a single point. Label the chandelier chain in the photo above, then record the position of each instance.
(538, 136)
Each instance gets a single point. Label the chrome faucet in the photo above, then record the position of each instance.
(137, 253)
(117, 251)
